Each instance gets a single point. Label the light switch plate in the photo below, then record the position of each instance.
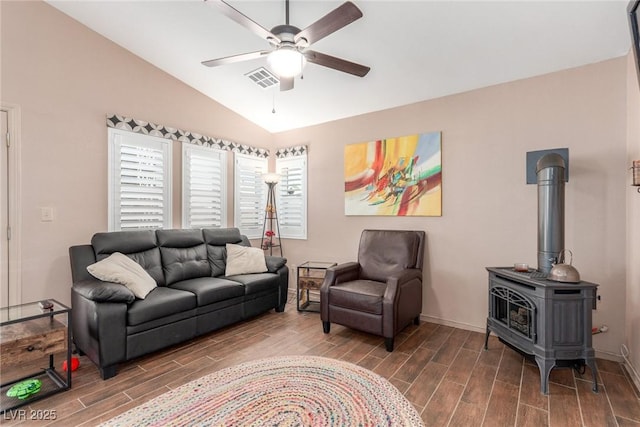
(46, 214)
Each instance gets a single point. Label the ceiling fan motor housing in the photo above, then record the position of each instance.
(285, 32)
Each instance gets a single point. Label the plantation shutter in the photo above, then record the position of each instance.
(250, 195)
(203, 187)
(291, 199)
(140, 181)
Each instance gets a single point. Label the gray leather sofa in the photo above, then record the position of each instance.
(193, 296)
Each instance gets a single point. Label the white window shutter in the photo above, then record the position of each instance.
(291, 199)
(250, 193)
(203, 187)
(140, 181)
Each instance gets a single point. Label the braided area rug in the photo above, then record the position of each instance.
(279, 391)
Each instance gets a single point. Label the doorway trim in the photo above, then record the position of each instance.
(14, 124)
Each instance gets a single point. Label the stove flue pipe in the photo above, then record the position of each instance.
(550, 172)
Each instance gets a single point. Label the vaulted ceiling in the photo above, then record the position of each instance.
(417, 50)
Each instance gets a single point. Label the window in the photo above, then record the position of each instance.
(139, 181)
(204, 184)
(291, 198)
(250, 194)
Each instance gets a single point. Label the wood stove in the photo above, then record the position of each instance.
(548, 320)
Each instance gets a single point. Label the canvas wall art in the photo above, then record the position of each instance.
(394, 176)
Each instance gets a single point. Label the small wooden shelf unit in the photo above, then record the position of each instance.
(310, 277)
(28, 335)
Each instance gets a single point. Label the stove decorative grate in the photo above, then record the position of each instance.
(514, 310)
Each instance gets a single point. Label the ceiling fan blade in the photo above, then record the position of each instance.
(331, 22)
(336, 63)
(235, 58)
(286, 83)
(244, 20)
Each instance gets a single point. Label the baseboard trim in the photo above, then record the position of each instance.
(632, 374)
(452, 323)
(608, 356)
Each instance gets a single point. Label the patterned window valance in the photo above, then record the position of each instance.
(147, 128)
(298, 150)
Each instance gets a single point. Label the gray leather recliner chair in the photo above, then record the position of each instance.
(381, 293)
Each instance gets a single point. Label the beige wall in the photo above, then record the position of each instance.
(632, 338)
(489, 213)
(66, 79)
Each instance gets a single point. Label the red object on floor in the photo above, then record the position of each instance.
(74, 364)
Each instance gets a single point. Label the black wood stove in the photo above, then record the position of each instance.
(542, 318)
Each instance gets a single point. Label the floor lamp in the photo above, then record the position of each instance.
(269, 235)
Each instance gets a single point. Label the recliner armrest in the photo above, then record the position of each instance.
(404, 276)
(399, 279)
(338, 274)
(99, 291)
(341, 273)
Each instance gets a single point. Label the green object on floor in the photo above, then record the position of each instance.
(24, 389)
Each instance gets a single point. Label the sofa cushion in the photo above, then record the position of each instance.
(256, 283)
(359, 295)
(184, 255)
(119, 268)
(210, 289)
(216, 240)
(217, 256)
(161, 302)
(185, 263)
(244, 260)
(221, 236)
(141, 246)
(182, 318)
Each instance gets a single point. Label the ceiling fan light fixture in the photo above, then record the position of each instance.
(286, 61)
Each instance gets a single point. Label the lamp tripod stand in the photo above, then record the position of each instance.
(269, 235)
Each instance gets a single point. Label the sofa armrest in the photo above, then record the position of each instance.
(99, 330)
(99, 291)
(80, 257)
(283, 289)
(274, 263)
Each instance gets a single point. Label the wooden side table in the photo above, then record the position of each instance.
(310, 277)
(28, 334)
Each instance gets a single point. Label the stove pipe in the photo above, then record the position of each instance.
(550, 171)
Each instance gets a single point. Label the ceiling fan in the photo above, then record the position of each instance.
(290, 43)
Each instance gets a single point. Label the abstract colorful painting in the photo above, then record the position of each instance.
(394, 176)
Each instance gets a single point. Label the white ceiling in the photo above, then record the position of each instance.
(417, 50)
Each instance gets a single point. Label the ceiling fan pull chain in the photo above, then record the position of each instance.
(273, 103)
(301, 67)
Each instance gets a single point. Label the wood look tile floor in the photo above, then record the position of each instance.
(445, 372)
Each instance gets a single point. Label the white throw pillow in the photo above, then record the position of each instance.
(244, 260)
(119, 268)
